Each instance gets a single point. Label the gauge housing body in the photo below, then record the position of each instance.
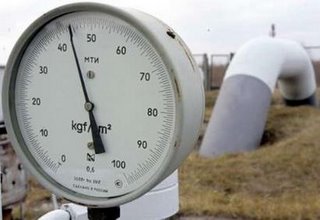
(185, 80)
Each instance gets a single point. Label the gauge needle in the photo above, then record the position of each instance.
(97, 142)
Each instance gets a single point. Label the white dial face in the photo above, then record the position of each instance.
(107, 135)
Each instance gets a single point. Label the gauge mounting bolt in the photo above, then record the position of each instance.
(88, 106)
(90, 145)
(90, 74)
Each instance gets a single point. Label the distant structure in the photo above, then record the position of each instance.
(203, 63)
(272, 32)
(218, 66)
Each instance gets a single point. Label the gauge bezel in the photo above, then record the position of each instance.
(11, 117)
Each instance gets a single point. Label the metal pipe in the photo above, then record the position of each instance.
(166, 197)
(240, 113)
(56, 215)
(1, 191)
(54, 201)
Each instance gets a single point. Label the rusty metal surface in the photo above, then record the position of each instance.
(14, 177)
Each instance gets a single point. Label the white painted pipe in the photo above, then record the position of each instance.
(240, 112)
(56, 215)
(269, 59)
(161, 202)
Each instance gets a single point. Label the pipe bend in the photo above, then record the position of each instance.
(270, 60)
(241, 109)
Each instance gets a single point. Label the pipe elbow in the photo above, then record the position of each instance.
(241, 109)
(271, 60)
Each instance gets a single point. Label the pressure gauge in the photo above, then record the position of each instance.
(101, 103)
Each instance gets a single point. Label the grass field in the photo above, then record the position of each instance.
(280, 180)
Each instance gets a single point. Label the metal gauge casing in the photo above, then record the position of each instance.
(86, 72)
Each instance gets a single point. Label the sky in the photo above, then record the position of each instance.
(207, 26)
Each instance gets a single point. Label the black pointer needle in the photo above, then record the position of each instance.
(97, 142)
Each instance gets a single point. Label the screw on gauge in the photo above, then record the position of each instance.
(90, 74)
(88, 106)
(90, 145)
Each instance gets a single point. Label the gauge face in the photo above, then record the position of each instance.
(94, 105)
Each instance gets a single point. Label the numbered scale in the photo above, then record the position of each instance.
(100, 103)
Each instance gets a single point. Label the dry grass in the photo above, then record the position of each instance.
(210, 101)
(286, 122)
(279, 181)
(37, 202)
